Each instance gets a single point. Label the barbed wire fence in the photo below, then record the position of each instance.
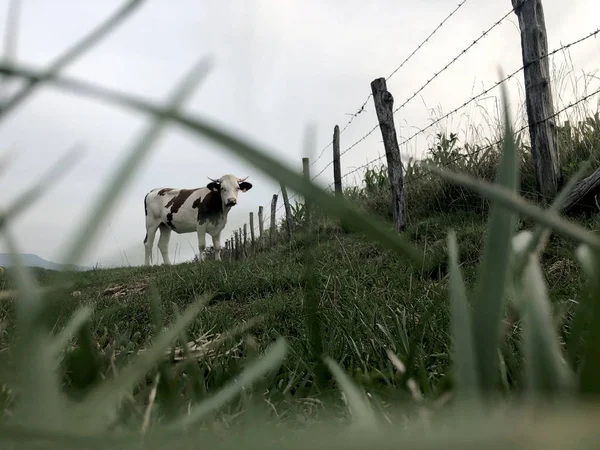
(243, 243)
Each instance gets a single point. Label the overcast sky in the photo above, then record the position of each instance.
(279, 66)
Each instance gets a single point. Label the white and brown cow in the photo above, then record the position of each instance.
(203, 210)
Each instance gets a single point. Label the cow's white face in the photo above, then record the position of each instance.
(229, 186)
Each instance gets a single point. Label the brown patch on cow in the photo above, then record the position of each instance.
(163, 191)
(209, 208)
(176, 202)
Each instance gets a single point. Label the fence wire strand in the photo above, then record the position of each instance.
(458, 108)
(435, 75)
(494, 144)
(362, 107)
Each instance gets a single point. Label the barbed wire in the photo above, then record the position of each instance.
(435, 75)
(471, 100)
(488, 90)
(362, 107)
(389, 76)
(498, 142)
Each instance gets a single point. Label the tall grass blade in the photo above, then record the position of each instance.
(507, 198)
(272, 358)
(71, 55)
(97, 411)
(341, 208)
(541, 233)
(40, 403)
(494, 266)
(583, 311)
(79, 317)
(546, 373)
(590, 364)
(28, 198)
(141, 149)
(10, 37)
(361, 410)
(465, 364)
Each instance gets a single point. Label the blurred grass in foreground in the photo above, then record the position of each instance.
(102, 416)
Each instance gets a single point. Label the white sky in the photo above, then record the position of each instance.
(279, 66)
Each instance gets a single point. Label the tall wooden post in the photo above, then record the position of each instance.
(261, 226)
(307, 205)
(384, 103)
(245, 241)
(236, 245)
(538, 96)
(252, 242)
(288, 211)
(273, 223)
(337, 169)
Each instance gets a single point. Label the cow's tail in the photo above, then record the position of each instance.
(146, 212)
(146, 203)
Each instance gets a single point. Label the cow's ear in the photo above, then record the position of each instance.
(245, 186)
(213, 186)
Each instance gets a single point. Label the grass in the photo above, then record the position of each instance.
(371, 301)
(465, 325)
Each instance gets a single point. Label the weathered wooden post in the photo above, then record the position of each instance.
(252, 241)
(273, 224)
(307, 205)
(288, 211)
(261, 226)
(384, 102)
(538, 96)
(242, 252)
(337, 169)
(245, 241)
(236, 245)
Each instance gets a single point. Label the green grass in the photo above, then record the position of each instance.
(456, 333)
(370, 300)
(378, 317)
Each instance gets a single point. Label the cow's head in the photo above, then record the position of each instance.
(229, 186)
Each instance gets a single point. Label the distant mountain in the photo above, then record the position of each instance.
(31, 260)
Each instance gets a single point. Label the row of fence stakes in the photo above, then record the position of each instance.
(542, 133)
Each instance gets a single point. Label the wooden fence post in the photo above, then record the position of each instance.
(337, 169)
(242, 252)
(307, 206)
(288, 211)
(252, 242)
(245, 241)
(235, 245)
(261, 226)
(384, 102)
(273, 224)
(538, 96)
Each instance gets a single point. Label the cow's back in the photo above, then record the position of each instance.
(174, 207)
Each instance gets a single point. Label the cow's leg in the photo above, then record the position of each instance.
(151, 227)
(216, 240)
(163, 243)
(201, 230)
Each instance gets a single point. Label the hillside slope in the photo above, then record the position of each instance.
(370, 300)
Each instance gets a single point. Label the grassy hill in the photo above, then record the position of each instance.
(370, 302)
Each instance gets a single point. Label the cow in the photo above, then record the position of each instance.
(203, 210)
